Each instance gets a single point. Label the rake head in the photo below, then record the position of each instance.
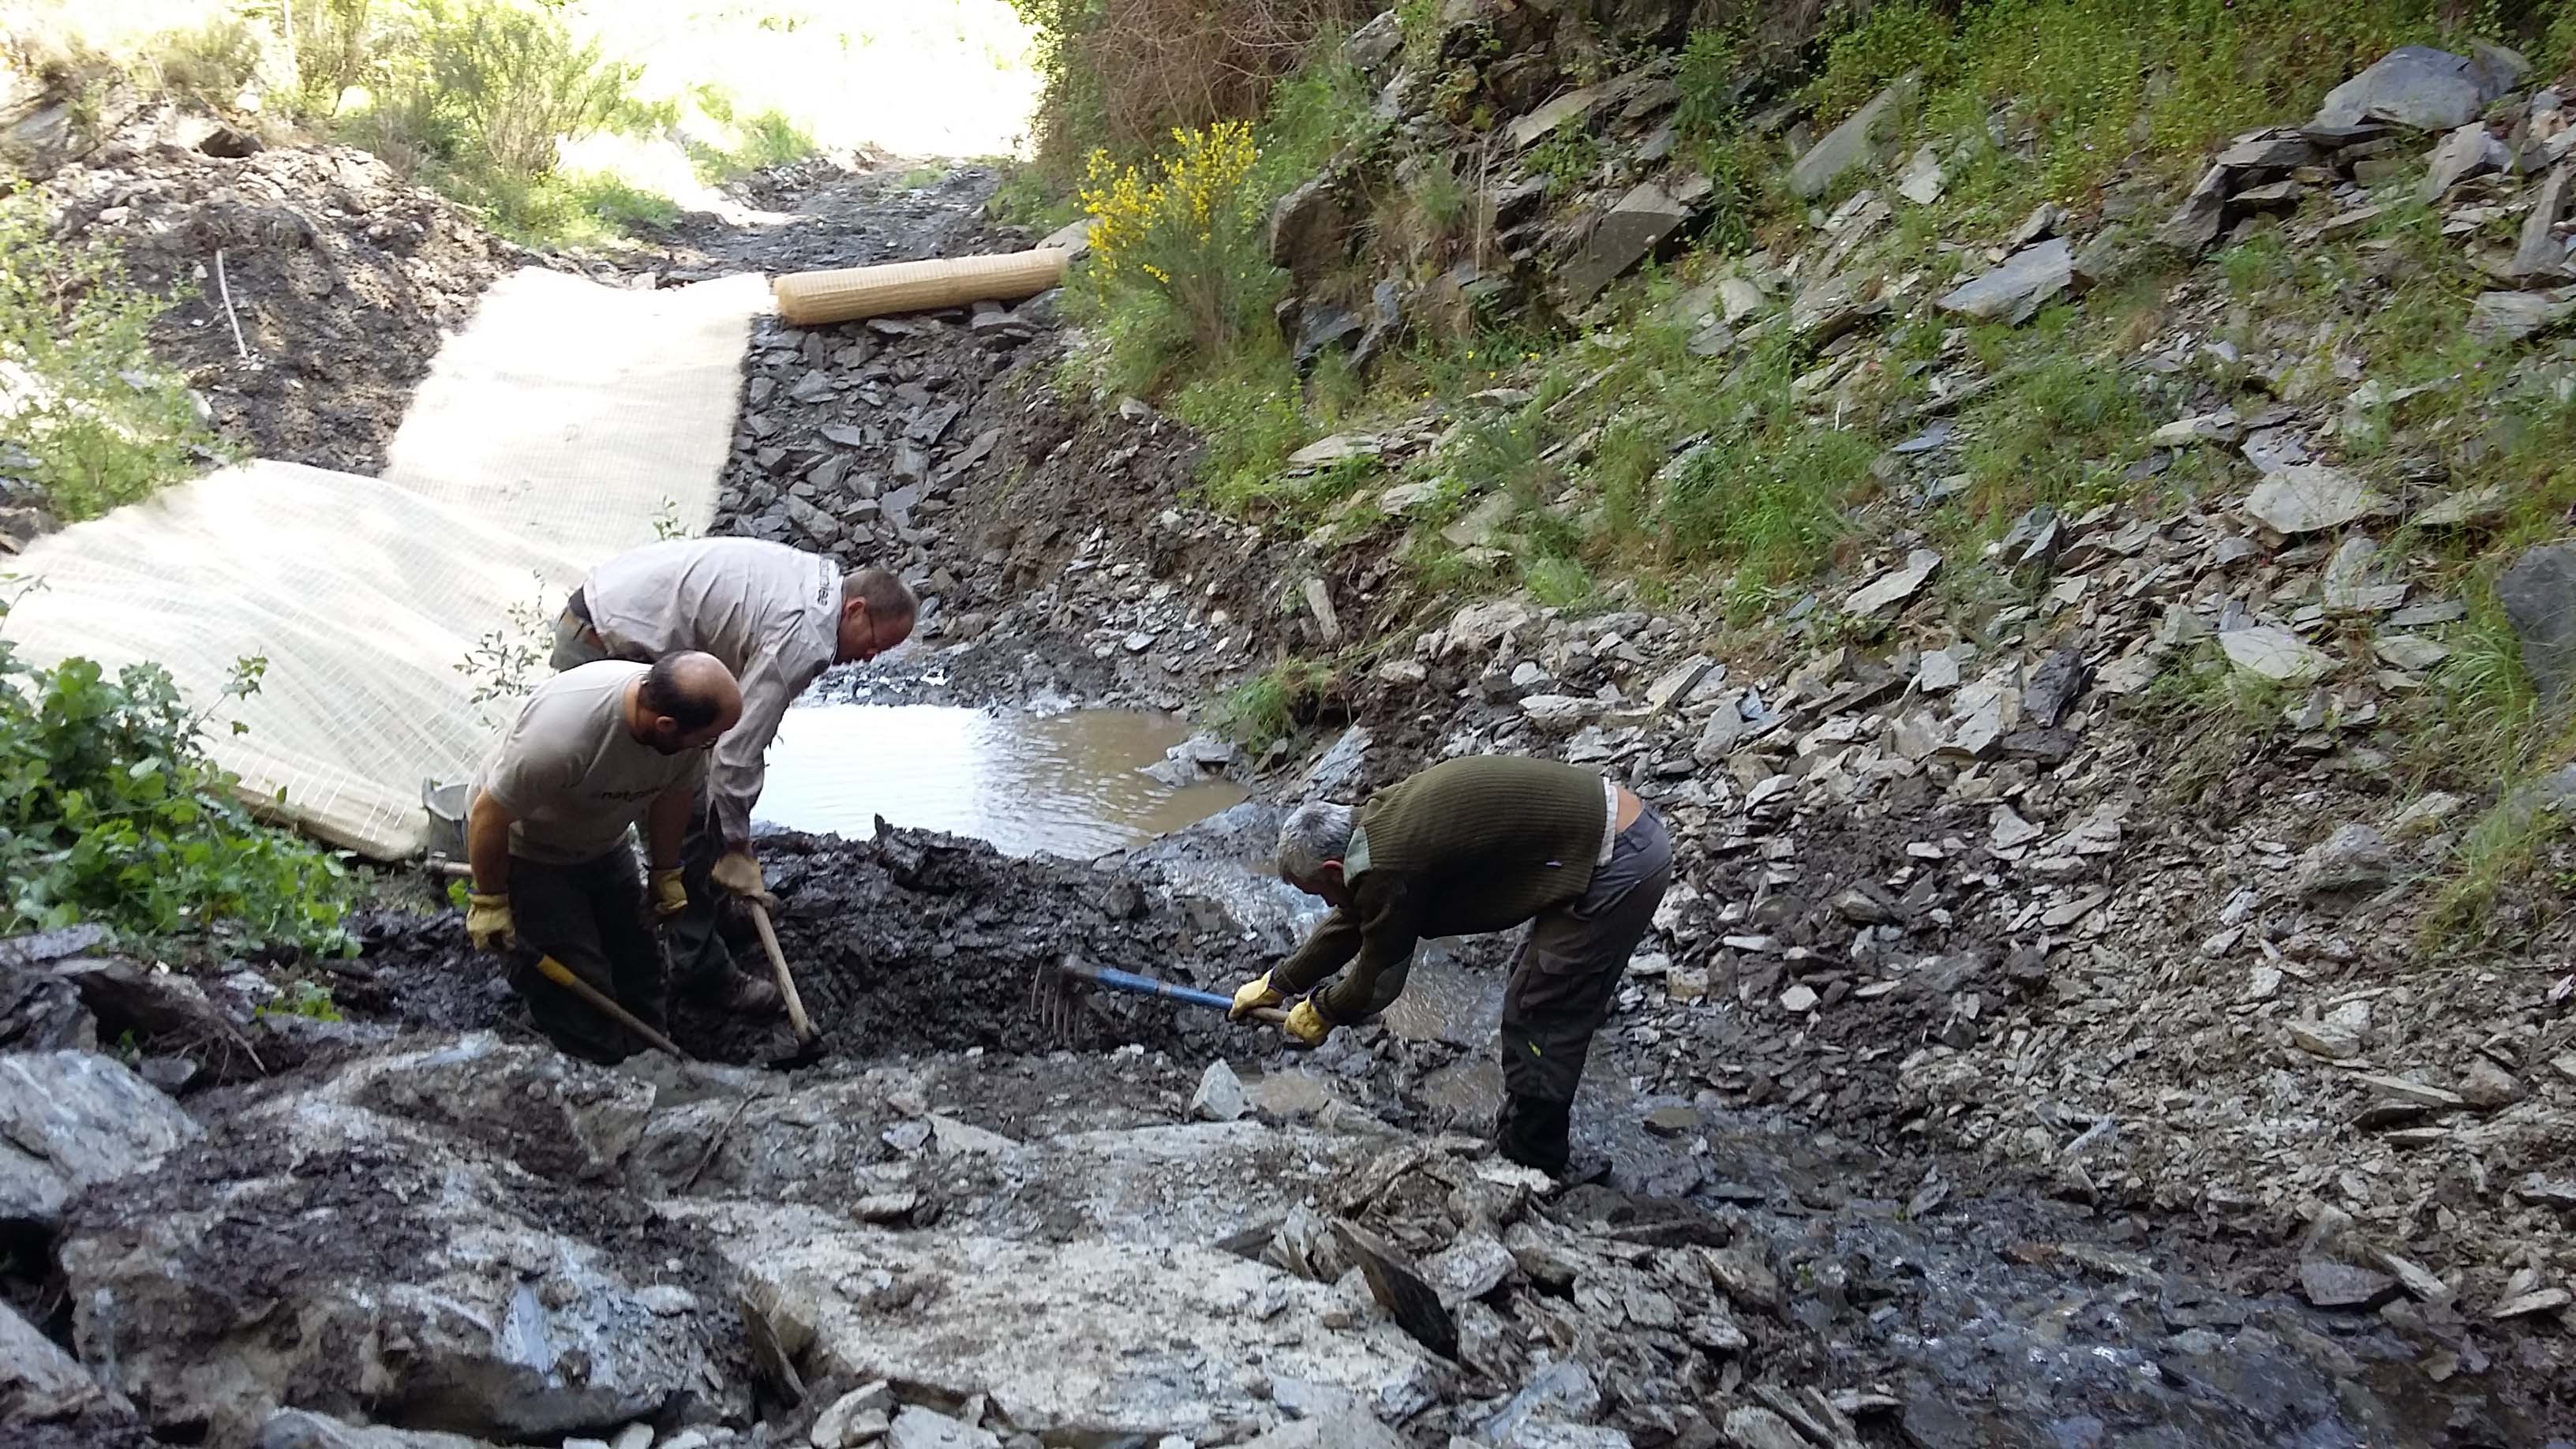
(1061, 1002)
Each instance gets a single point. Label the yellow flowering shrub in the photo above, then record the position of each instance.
(1181, 241)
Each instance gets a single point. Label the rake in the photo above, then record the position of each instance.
(1060, 993)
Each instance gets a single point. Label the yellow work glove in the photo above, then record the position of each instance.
(739, 874)
(1307, 1024)
(670, 897)
(487, 922)
(1253, 995)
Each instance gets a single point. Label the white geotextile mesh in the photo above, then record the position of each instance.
(552, 433)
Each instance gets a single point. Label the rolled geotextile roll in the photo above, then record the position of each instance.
(811, 299)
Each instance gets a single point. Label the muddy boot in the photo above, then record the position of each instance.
(1533, 1133)
(734, 992)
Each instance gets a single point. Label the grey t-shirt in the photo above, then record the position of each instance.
(573, 774)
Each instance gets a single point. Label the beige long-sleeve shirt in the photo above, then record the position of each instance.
(770, 612)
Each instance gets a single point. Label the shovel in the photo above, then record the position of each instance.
(561, 975)
(809, 1042)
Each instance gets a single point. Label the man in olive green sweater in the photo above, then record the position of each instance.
(1480, 843)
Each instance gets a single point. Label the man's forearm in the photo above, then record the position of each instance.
(665, 825)
(487, 846)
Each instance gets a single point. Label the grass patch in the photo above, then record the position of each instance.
(754, 142)
(1250, 421)
(567, 209)
(1272, 705)
(2056, 432)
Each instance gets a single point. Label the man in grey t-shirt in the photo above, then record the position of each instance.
(595, 750)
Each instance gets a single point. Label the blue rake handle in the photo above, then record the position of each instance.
(1130, 982)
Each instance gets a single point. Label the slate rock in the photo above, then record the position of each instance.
(2340, 1285)
(2196, 223)
(72, 1120)
(2539, 597)
(38, 1381)
(1414, 1304)
(1374, 44)
(2487, 1086)
(2354, 857)
(2538, 253)
(1220, 1097)
(2016, 290)
(920, 1428)
(2275, 654)
(2514, 316)
(1310, 229)
(1622, 237)
(1895, 586)
(1855, 142)
(2053, 687)
(1345, 1427)
(2310, 498)
(2418, 86)
(2468, 151)
(300, 1429)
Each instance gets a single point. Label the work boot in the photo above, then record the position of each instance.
(730, 990)
(1533, 1133)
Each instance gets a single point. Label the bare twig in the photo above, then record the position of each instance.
(716, 1143)
(223, 284)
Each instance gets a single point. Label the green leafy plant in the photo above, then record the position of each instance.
(505, 663)
(112, 811)
(310, 1000)
(102, 420)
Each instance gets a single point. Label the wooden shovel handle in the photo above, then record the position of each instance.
(778, 963)
(561, 975)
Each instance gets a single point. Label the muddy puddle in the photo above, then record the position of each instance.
(1059, 784)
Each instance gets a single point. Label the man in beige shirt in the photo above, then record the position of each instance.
(778, 617)
(595, 751)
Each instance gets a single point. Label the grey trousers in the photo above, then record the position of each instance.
(1567, 973)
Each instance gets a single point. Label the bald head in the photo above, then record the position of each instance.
(686, 701)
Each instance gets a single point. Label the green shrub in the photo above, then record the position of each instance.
(584, 208)
(208, 66)
(334, 49)
(481, 91)
(102, 420)
(2055, 433)
(1179, 263)
(111, 811)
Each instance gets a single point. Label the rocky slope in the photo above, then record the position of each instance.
(2034, 1049)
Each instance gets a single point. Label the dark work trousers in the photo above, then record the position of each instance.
(701, 961)
(1563, 984)
(592, 918)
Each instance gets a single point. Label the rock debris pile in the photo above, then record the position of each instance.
(343, 279)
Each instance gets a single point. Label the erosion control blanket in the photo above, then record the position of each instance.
(563, 425)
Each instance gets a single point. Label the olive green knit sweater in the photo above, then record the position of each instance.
(1479, 843)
